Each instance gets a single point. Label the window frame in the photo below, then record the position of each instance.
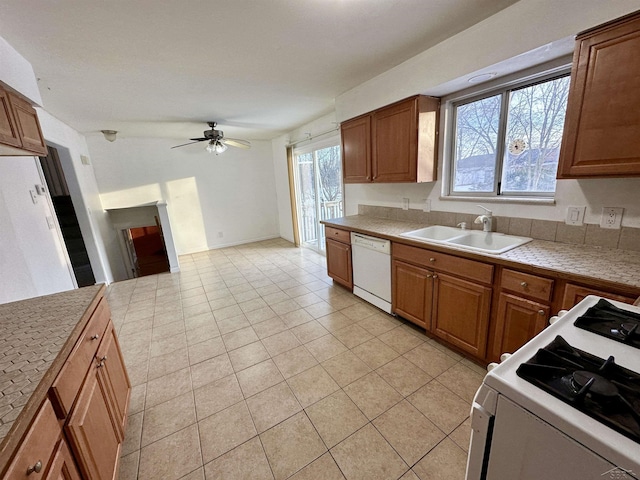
(498, 87)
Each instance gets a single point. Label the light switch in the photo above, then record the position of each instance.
(575, 215)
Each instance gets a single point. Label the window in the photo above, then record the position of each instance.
(507, 142)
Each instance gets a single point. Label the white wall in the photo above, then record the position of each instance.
(233, 193)
(523, 27)
(32, 257)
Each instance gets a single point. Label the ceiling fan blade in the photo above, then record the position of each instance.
(234, 142)
(190, 143)
(201, 139)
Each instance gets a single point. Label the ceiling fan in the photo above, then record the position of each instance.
(217, 141)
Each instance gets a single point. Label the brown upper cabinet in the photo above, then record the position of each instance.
(603, 112)
(397, 143)
(20, 132)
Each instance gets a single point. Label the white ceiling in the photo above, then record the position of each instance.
(258, 67)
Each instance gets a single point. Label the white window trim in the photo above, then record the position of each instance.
(539, 73)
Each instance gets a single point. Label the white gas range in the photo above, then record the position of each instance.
(527, 431)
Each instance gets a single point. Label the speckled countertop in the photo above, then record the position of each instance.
(617, 267)
(35, 332)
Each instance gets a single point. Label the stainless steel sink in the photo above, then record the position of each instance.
(485, 242)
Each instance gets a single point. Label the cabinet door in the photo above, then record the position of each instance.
(412, 293)
(603, 113)
(339, 263)
(28, 126)
(575, 293)
(63, 467)
(461, 313)
(395, 143)
(356, 150)
(517, 321)
(113, 375)
(92, 431)
(8, 128)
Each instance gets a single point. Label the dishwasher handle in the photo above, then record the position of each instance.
(371, 243)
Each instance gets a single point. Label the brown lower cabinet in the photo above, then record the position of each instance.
(78, 430)
(517, 321)
(461, 313)
(338, 250)
(447, 295)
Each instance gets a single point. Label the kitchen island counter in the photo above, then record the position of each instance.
(38, 334)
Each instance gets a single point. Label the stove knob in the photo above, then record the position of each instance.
(561, 313)
(553, 319)
(504, 356)
(491, 366)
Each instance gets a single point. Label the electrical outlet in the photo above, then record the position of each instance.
(611, 217)
(575, 215)
(33, 194)
(405, 204)
(426, 207)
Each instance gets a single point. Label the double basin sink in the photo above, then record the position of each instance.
(474, 240)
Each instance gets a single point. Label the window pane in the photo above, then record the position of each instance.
(534, 132)
(330, 179)
(306, 197)
(476, 145)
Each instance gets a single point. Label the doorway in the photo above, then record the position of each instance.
(147, 253)
(67, 218)
(319, 191)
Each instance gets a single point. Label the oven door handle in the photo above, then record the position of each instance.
(480, 443)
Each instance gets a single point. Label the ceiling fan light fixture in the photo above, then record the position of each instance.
(216, 146)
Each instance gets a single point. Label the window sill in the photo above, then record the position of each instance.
(516, 200)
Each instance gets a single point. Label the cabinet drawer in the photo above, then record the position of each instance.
(37, 448)
(529, 285)
(68, 383)
(339, 235)
(575, 293)
(442, 262)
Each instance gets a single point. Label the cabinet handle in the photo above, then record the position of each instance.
(435, 275)
(429, 275)
(524, 284)
(36, 468)
(540, 312)
(95, 337)
(432, 259)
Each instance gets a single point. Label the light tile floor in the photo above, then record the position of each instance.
(250, 364)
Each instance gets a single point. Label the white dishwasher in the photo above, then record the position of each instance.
(371, 258)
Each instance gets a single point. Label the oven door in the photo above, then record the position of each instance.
(524, 447)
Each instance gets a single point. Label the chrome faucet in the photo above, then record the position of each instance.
(486, 220)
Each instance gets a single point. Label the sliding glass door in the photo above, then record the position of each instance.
(318, 171)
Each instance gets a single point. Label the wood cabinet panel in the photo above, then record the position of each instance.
(338, 235)
(603, 112)
(113, 375)
(461, 313)
(443, 262)
(395, 143)
(575, 293)
(339, 262)
(66, 386)
(412, 293)
(517, 321)
(38, 446)
(8, 129)
(28, 126)
(356, 149)
(529, 285)
(63, 466)
(92, 431)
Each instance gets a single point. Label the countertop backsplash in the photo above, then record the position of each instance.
(626, 238)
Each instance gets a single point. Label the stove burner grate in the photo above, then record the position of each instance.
(597, 387)
(612, 322)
